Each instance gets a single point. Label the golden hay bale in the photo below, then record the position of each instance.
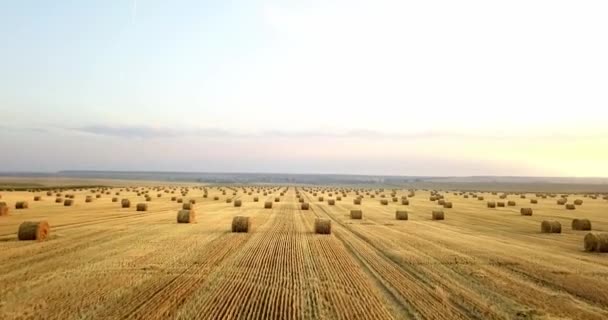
(37, 198)
(357, 201)
(525, 211)
(240, 224)
(256, 199)
(432, 198)
(58, 200)
(142, 207)
(301, 200)
(187, 206)
(268, 205)
(88, 199)
(277, 199)
(441, 202)
(30, 230)
(578, 202)
(305, 206)
(320, 199)
(237, 203)
(125, 203)
(438, 215)
(561, 201)
(570, 206)
(401, 215)
(447, 205)
(68, 202)
(597, 242)
(49, 193)
(331, 202)
(511, 203)
(186, 216)
(228, 200)
(214, 198)
(480, 198)
(533, 201)
(192, 201)
(405, 202)
(338, 198)
(550, 227)
(173, 198)
(356, 214)
(395, 199)
(322, 226)
(22, 205)
(98, 196)
(500, 204)
(581, 224)
(3, 210)
(384, 202)
(491, 204)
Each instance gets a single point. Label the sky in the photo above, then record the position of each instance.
(441, 88)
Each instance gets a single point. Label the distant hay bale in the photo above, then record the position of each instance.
(578, 202)
(511, 203)
(37, 198)
(240, 224)
(331, 202)
(268, 205)
(533, 201)
(301, 200)
(438, 215)
(338, 198)
(214, 198)
(277, 199)
(405, 202)
(58, 200)
(142, 207)
(237, 203)
(441, 202)
(357, 201)
(596, 242)
(49, 193)
(384, 202)
(228, 200)
(256, 199)
(525, 211)
(3, 210)
(570, 206)
(186, 216)
(401, 215)
(322, 226)
(447, 205)
(68, 202)
(356, 214)
(395, 199)
(320, 199)
(480, 198)
(491, 204)
(125, 203)
(581, 224)
(561, 201)
(88, 199)
(550, 227)
(187, 206)
(192, 201)
(98, 196)
(500, 204)
(305, 206)
(22, 205)
(31, 230)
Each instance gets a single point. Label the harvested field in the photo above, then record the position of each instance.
(103, 261)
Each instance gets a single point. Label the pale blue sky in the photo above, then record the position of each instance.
(378, 87)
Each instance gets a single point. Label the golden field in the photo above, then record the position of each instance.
(101, 261)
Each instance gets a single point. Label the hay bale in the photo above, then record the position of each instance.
(357, 201)
(187, 206)
(480, 198)
(277, 199)
(533, 201)
(186, 216)
(331, 202)
(578, 202)
(214, 198)
(49, 193)
(3, 210)
(511, 203)
(401, 215)
(441, 202)
(570, 206)
(491, 204)
(438, 215)
(256, 199)
(228, 200)
(173, 198)
(142, 207)
(125, 203)
(240, 224)
(581, 224)
(22, 205)
(237, 203)
(268, 205)
(322, 226)
(30, 230)
(320, 199)
(384, 202)
(596, 242)
(192, 201)
(500, 204)
(447, 205)
(550, 227)
(405, 202)
(562, 201)
(356, 214)
(37, 198)
(68, 202)
(525, 211)
(88, 199)
(58, 200)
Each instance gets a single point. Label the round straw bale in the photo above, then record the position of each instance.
(277, 199)
(192, 201)
(68, 202)
(237, 203)
(448, 205)
(357, 201)
(561, 201)
(256, 199)
(3, 210)
(228, 200)
(401, 215)
(525, 211)
(581, 224)
(356, 214)
(438, 215)
(500, 204)
(331, 202)
(550, 227)
(187, 206)
(320, 199)
(268, 205)
(491, 204)
(125, 203)
(58, 200)
(595, 241)
(37, 198)
(305, 206)
(511, 203)
(240, 224)
(578, 202)
(30, 230)
(186, 216)
(533, 201)
(88, 199)
(21, 205)
(384, 202)
(480, 198)
(142, 207)
(214, 198)
(322, 226)
(405, 202)
(570, 206)
(441, 202)
(49, 193)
